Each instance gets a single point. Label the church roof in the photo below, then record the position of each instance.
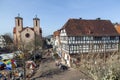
(36, 18)
(18, 17)
(14, 29)
(27, 27)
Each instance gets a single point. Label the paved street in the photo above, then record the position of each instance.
(49, 71)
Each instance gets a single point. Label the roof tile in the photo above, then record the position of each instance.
(78, 27)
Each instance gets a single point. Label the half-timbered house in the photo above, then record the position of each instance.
(79, 36)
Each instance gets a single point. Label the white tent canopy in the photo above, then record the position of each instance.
(7, 56)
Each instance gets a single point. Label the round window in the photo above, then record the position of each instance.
(27, 35)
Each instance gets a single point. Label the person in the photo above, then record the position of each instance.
(4, 78)
(10, 74)
(0, 75)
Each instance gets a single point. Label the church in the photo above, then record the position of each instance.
(26, 35)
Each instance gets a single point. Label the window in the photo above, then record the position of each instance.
(64, 31)
(87, 38)
(84, 37)
(73, 38)
(36, 22)
(97, 38)
(18, 22)
(106, 38)
(75, 47)
(70, 38)
(64, 38)
(77, 38)
(112, 37)
(27, 35)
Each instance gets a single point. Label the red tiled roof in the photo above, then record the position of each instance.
(79, 27)
(117, 27)
(56, 33)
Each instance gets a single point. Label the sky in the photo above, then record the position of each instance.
(54, 14)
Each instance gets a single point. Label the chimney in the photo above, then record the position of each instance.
(80, 18)
(98, 18)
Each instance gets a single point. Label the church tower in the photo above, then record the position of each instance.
(19, 23)
(17, 29)
(36, 24)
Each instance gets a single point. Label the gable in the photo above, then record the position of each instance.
(63, 32)
(27, 29)
(27, 35)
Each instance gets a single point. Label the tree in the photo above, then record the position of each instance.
(99, 69)
(9, 41)
(38, 42)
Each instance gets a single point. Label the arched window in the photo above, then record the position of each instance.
(36, 22)
(18, 22)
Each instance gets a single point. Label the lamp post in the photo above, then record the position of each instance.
(35, 46)
(23, 60)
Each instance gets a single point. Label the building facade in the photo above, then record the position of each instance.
(2, 42)
(117, 27)
(79, 36)
(27, 34)
(57, 46)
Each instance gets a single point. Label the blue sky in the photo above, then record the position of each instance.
(54, 13)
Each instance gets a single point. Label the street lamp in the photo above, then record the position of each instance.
(35, 46)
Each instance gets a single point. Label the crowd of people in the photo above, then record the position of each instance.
(12, 75)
